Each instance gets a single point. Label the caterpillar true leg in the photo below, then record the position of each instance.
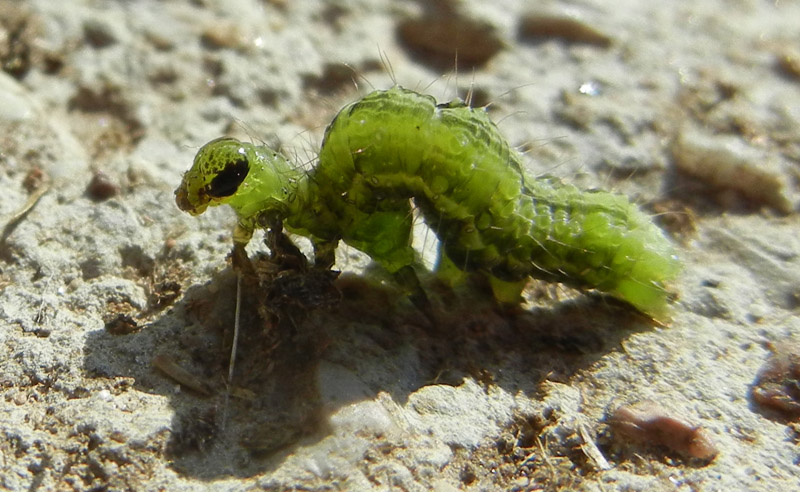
(407, 278)
(324, 253)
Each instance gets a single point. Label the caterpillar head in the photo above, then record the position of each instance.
(247, 177)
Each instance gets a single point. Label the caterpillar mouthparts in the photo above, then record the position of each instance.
(450, 159)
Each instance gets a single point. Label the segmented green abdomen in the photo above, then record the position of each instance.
(472, 191)
(550, 230)
(596, 239)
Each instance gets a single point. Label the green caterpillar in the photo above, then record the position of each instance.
(490, 217)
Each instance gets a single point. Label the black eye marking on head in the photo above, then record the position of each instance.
(227, 182)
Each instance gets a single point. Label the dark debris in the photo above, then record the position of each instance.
(777, 385)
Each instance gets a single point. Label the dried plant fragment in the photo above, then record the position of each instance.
(777, 385)
(174, 371)
(648, 423)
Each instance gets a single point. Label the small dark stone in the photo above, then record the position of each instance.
(101, 187)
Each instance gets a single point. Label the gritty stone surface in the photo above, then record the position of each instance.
(684, 106)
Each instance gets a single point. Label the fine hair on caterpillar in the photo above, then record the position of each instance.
(470, 187)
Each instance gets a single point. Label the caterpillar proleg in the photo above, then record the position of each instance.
(469, 184)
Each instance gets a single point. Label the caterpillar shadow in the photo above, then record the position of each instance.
(311, 345)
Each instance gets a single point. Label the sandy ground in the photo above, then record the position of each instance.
(116, 308)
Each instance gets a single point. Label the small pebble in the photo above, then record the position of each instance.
(727, 163)
(101, 187)
(447, 33)
(564, 27)
(788, 62)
